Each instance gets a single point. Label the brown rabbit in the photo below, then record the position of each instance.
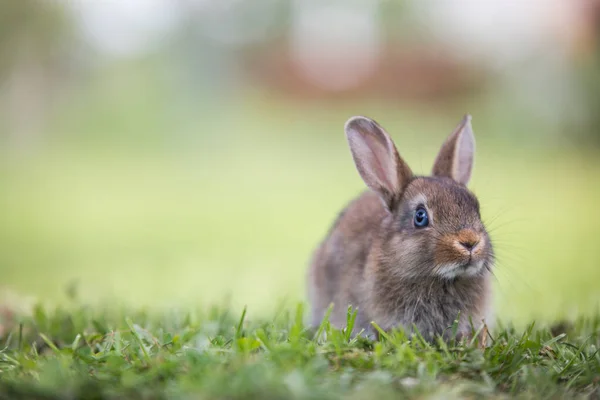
(412, 251)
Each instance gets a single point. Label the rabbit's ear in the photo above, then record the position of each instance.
(455, 159)
(377, 159)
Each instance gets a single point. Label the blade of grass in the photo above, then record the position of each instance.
(381, 331)
(138, 339)
(324, 322)
(49, 343)
(350, 320)
(238, 331)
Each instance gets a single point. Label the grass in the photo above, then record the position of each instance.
(93, 353)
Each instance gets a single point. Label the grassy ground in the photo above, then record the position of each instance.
(89, 353)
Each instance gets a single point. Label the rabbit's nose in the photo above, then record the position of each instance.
(470, 244)
(467, 239)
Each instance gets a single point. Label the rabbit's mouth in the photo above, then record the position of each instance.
(471, 267)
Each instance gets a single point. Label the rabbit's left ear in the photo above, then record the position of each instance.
(455, 159)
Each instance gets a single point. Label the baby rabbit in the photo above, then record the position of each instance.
(412, 251)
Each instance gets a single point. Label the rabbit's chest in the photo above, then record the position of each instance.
(436, 315)
(433, 315)
(432, 307)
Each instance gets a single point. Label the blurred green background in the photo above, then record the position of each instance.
(174, 154)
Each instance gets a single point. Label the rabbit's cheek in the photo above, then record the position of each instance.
(408, 256)
(480, 250)
(449, 252)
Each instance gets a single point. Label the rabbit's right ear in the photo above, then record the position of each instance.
(377, 159)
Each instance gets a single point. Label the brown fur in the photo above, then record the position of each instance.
(397, 274)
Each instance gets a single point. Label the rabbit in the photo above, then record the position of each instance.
(411, 252)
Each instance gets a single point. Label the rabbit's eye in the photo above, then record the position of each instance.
(421, 218)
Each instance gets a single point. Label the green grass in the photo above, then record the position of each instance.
(91, 353)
